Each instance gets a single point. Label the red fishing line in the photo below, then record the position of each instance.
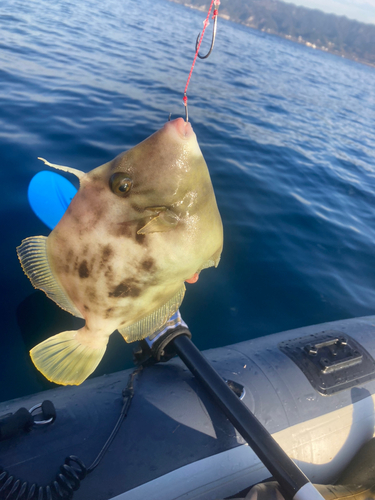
(205, 24)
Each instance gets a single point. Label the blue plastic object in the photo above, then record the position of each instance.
(49, 196)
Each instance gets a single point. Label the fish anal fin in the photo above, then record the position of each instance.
(70, 170)
(165, 220)
(149, 324)
(62, 359)
(32, 254)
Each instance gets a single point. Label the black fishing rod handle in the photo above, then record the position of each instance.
(292, 480)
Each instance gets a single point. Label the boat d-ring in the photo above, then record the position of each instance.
(238, 389)
(48, 413)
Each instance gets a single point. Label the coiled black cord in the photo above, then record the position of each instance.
(68, 480)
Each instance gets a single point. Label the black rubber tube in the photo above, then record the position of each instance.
(282, 468)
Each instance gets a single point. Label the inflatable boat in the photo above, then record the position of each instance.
(312, 389)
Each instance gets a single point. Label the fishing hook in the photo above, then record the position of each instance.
(212, 41)
(197, 47)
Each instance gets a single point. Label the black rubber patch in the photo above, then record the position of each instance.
(332, 361)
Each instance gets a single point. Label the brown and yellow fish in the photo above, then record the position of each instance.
(139, 226)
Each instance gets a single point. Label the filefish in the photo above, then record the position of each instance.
(137, 229)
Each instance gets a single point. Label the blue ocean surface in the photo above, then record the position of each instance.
(288, 133)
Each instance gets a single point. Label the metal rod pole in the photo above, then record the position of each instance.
(292, 480)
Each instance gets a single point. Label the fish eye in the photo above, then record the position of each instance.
(120, 184)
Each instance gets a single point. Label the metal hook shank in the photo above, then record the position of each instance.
(212, 41)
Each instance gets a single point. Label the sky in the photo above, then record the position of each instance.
(361, 10)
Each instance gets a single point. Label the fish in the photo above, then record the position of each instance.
(139, 227)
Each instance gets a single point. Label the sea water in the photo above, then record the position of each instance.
(288, 133)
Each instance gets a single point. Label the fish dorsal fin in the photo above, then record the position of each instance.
(32, 254)
(164, 219)
(149, 324)
(70, 170)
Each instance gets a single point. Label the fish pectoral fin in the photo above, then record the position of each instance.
(63, 359)
(32, 254)
(70, 170)
(165, 220)
(149, 324)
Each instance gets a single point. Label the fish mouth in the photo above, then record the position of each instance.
(179, 125)
(193, 279)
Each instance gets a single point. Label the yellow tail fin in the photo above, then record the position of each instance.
(64, 360)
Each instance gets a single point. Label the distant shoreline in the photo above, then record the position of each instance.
(254, 22)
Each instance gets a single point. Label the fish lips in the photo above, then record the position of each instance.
(181, 127)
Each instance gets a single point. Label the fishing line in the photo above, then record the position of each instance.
(205, 24)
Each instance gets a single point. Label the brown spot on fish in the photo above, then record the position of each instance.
(62, 267)
(124, 229)
(148, 264)
(140, 239)
(83, 270)
(91, 294)
(85, 250)
(86, 308)
(107, 253)
(108, 312)
(127, 288)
